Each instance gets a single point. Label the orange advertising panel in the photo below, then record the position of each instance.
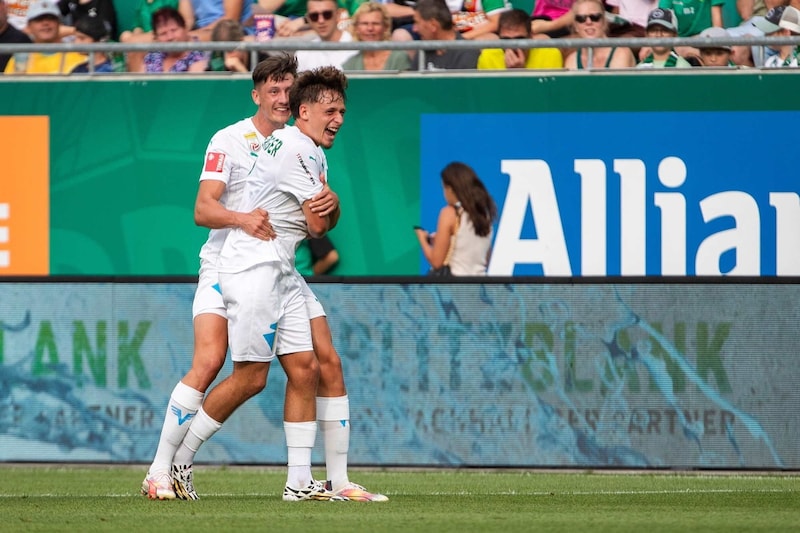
(25, 195)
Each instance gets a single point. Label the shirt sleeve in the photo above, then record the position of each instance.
(305, 165)
(218, 162)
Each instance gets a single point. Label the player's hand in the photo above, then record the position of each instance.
(256, 224)
(326, 201)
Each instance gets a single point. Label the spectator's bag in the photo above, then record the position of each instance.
(444, 270)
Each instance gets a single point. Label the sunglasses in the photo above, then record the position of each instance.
(514, 37)
(594, 17)
(314, 17)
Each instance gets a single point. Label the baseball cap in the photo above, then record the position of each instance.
(790, 19)
(769, 22)
(663, 17)
(715, 33)
(42, 8)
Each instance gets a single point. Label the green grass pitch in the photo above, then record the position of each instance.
(106, 498)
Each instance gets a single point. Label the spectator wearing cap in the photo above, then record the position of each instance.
(44, 20)
(694, 16)
(93, 30)
(767, 26)
(9, 34)
(715, 54)
(662, 24)
(515, 24)
(788, 26)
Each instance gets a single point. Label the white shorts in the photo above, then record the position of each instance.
(208, 297)
(315, 308)
(267, 314)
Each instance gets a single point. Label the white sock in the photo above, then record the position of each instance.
(300, 437)
(181, 410)
(202, 429)
(334, 422)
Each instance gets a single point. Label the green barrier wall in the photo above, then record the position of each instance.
(125, 155)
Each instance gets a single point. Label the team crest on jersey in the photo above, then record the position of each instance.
(252, 141)
(214, 162)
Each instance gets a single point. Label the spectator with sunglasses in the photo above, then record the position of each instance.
(323, 17)
(591, 23)
(515, 24)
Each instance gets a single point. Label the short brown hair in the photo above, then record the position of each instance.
(310, 85)
(275, 67)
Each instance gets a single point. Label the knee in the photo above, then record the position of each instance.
(330, 366)
(304, 373)
(206, 369)
(251, 380)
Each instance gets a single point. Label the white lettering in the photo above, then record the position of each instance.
(530, 183)
(787, 232)
(593, 216)
(632, 219)
(744, 238)
(672, 174)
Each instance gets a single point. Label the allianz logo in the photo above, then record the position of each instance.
(531, 191)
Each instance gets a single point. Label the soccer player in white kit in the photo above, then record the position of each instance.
(230, 156)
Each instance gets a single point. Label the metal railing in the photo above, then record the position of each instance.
(422, 47)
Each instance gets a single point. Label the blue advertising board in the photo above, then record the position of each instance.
(629, 194)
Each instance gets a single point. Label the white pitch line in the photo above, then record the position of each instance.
(460, 493)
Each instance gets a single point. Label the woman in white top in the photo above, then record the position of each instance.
(465, 223)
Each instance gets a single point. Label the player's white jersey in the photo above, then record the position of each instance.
(230, 156)
(286, 174)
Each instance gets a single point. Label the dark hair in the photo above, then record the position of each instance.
(311, 85)
(472, 195)
(515, 18)
(94, 27)
(435, 10)
(166, 14)
(275, 67)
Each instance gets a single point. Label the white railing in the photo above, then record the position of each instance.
(293, 45)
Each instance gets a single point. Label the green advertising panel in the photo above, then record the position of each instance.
(125, 154)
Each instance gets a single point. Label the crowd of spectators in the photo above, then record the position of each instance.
(343, 21)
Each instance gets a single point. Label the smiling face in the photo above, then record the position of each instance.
(44, 29)
(322, 119)
(590, 20)
(272, 99)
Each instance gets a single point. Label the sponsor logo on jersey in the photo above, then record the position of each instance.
(252, 140)
(214, 162)
(303, 164)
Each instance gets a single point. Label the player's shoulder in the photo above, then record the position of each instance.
(292, 136)
(236, 130)
(239, 135)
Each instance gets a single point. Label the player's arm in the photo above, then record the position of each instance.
(317, 225)
(210, 213)
(326, 204)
